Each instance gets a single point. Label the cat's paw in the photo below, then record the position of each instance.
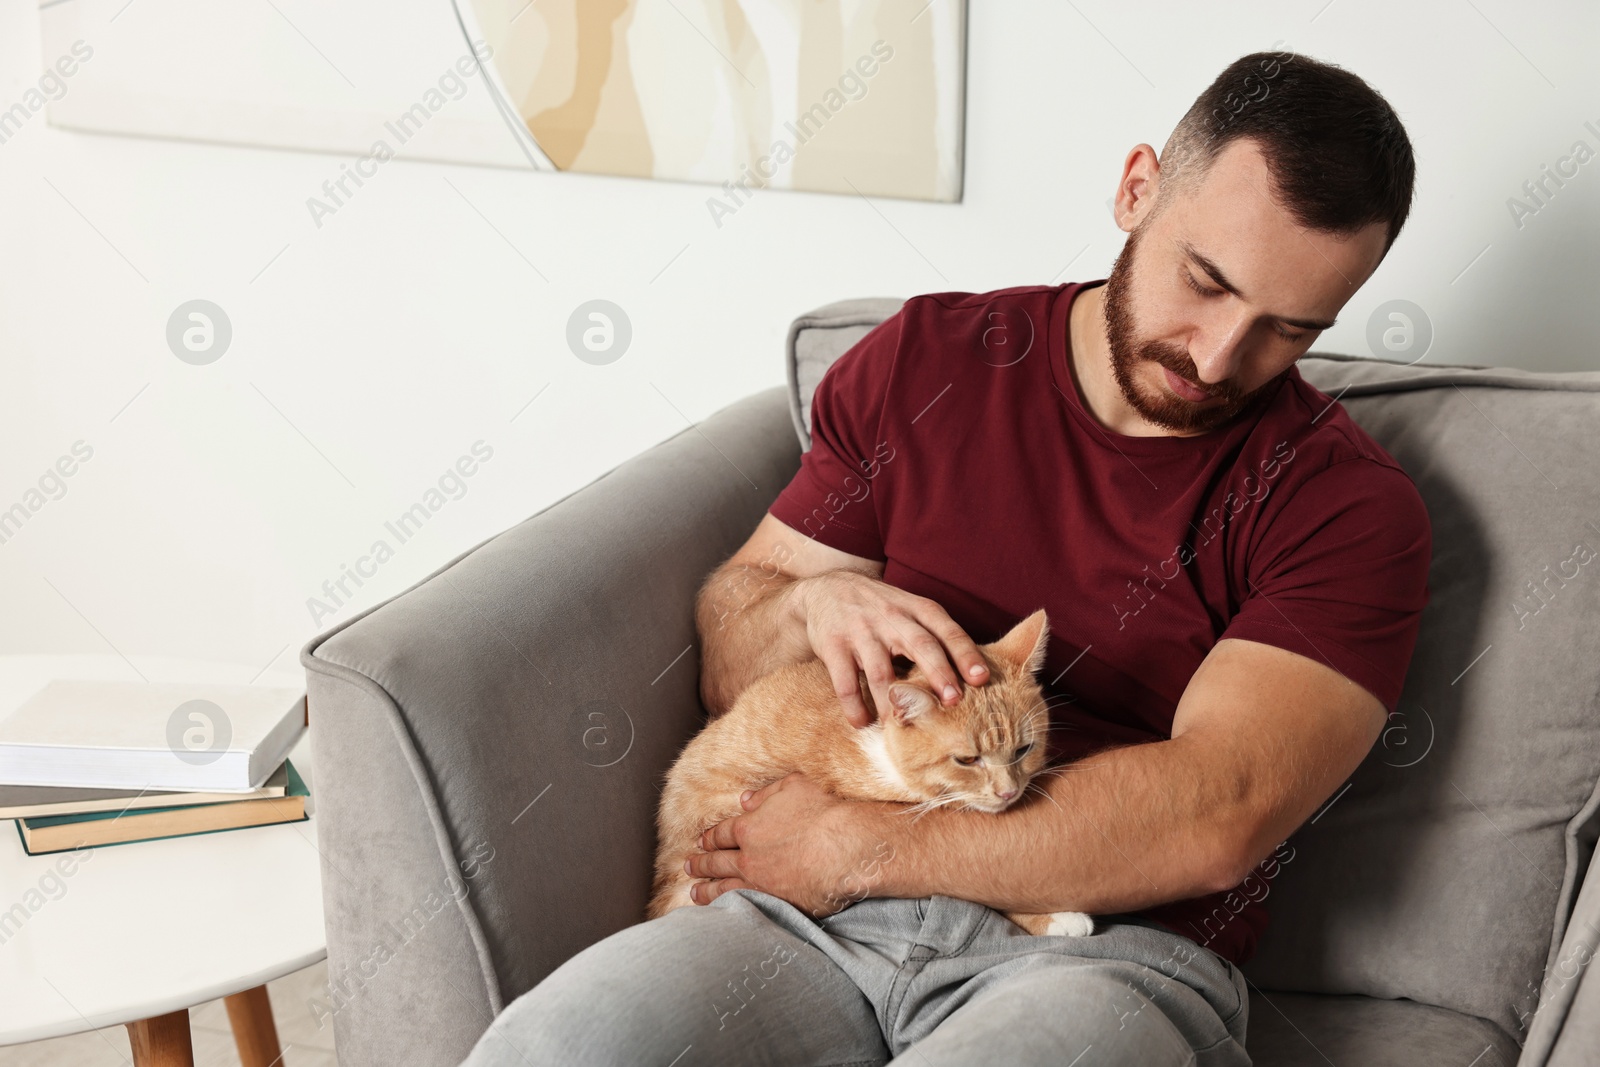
(1070, 924)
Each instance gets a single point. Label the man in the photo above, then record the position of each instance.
(1234, 574)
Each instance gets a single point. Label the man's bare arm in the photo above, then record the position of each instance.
(746, 612)
(784, 597)
(1261, 738)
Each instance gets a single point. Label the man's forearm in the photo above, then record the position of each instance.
(749, 626)
(1118, 831)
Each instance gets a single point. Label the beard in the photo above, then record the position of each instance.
(1164, 408)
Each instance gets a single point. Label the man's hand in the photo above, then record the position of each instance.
(798, 842)
(859, 623)
(785, 597)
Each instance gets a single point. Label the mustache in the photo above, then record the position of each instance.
(1178, 362)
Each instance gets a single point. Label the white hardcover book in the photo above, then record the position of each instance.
(39, 801)
(150, 736)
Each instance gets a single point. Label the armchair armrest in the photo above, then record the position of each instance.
(492, 741)
(1565, 1031)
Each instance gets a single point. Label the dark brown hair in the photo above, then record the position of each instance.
(1337, 153)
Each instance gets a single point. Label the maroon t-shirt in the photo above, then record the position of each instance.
(952, 444)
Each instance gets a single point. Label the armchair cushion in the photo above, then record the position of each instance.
(1295, 1029)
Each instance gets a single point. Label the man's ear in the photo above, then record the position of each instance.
(1134, 201)
(908, 703)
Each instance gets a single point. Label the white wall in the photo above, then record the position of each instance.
(406, 328)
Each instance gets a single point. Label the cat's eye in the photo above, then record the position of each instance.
(967, 761)
(1021, 752)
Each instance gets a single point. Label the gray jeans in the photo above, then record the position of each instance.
(936, 982)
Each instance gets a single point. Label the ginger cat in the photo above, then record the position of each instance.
(981, 754)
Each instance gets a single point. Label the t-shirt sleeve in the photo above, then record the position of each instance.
(1341, 575)
(833, 498)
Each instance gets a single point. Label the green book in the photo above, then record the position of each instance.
(44, 834)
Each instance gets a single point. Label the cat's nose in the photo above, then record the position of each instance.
(1006, 794)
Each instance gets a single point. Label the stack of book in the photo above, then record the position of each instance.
(86, 764)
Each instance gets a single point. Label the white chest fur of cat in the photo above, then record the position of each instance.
(984, 754)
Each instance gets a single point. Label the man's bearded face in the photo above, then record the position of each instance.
(1162, 405)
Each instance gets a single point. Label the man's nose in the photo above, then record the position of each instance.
(1218, 349)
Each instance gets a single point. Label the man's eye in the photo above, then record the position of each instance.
(966, 761)
(1197, 287)
(1287, 335)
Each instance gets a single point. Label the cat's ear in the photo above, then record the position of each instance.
(1025, 646)
(909, 702)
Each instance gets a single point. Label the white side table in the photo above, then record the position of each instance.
(137, 934)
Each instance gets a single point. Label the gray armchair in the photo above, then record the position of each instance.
(493, 740)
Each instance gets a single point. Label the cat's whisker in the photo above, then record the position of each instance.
(943, 800)
(1036, 784)
(917, 811)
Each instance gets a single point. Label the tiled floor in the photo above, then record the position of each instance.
(304, 1044)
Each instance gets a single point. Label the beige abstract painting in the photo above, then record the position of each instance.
(840, 96)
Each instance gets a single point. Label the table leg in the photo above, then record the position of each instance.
(254, 1031)
(162, 1041)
